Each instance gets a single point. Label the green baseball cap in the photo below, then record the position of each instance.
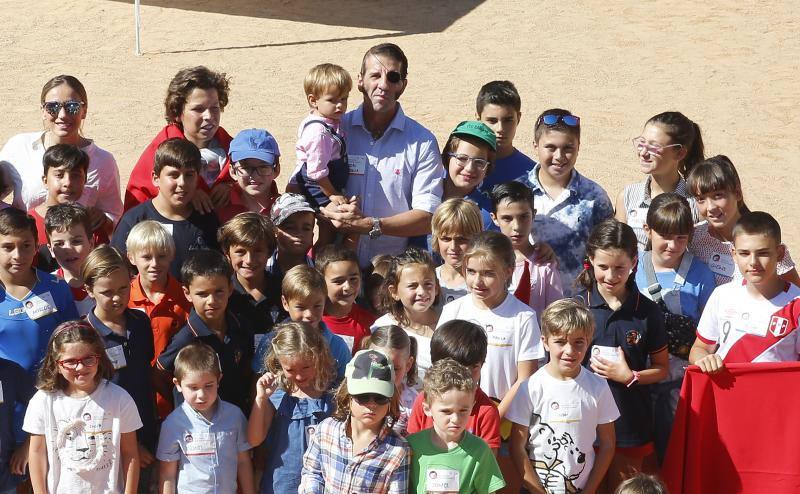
(476, 129)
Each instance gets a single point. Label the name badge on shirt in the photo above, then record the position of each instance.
(607, 352)
(200, 443)
(745, 324)
(350, 340)
(637, 217)
(442, 480)
(116, 354)
(167, 227)
(569, 411)
(721, 265)
(310, 431)
(40, 306)
(357, 164)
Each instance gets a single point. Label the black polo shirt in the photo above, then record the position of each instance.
(235, 354)
(257, 312)
(131, 357)
(638, 327)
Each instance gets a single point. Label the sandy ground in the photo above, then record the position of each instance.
(731, 66)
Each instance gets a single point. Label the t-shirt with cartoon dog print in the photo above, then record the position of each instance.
(562, 417)
(83, 437)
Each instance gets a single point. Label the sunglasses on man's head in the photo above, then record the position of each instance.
(366, 398)
(72, 107)
(550, 120)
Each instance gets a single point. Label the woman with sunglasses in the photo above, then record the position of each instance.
(668, 148)
(64, 106)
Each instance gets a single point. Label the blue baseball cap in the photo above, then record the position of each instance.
(254, 143)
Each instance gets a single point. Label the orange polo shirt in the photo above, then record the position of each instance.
(166, 318)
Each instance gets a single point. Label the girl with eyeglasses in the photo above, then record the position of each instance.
(64, 105)
(82, 426)
(668, 149)
(468, 157)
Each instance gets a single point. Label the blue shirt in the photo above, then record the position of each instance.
(512, 167)
(288, 439)
(339, 350)
(16, 387)
(131, 356)
(694, 290)
(566, 222)
(234, 354)
(400, 171)
(207, 450)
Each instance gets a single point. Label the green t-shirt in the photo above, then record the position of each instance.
(466, 469)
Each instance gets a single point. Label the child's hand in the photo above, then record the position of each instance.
(97, 218)
(615, 371)
(545, 254)
(265, 386)
(710, 364)
(146, 458)
(221, 194)
(19, 459)
(338, 200)
(202, 202)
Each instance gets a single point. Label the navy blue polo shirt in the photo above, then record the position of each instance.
(638, 327)
(16, 386)
(258, 312)
(235, 354)
(131, 357)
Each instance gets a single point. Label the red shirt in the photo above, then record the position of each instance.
(353, 327)
(484, 421)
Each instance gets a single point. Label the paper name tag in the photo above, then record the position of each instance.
(40, 305)
(722, 265)
(442, 480)
(167, 227)
(310, 431)
(357, 164)
(350, 340)
(569, 411)
(607, 352)
(200, 443)
(116, 354)
(636, 217)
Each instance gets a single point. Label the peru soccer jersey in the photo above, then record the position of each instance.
(749, 329)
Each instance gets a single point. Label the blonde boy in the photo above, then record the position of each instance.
(560, 411)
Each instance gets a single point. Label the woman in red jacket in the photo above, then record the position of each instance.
(195, 100)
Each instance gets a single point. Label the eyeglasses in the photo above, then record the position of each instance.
(72, 107)
(464, 159)
(641, 144)
(249, 171)
(371, 398)
(551, 120)
(73, 363)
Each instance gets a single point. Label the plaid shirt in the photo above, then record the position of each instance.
(331, 466)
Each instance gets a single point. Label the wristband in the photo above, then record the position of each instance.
(634, 380)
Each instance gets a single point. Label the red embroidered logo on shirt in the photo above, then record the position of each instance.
(778, 326)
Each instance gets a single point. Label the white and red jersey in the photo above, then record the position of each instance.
(748, 329)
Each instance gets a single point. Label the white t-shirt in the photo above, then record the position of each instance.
(423, 345)
(749, 329)
(449, 293)
(83, 437)
(513, 334)
(563, 417)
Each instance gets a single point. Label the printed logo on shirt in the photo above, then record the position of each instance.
(778, 326)
(633, 337)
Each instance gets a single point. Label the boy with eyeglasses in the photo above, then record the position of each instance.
(255, 163)
(568, 205)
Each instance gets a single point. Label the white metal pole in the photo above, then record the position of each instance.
(138, 25)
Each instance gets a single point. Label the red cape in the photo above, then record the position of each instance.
(737, 431)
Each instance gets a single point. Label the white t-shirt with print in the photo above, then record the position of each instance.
(423, 345)
(513, 334)
(562, 417)
(750, 329)
(83, 437)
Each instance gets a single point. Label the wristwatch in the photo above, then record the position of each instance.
(634, 380)
(376, 228)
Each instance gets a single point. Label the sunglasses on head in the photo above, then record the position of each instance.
(550, 120)
(72, 107)
(371, 398)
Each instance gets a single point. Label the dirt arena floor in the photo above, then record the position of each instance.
(731, 66)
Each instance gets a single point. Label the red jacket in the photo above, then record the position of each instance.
(140, 185)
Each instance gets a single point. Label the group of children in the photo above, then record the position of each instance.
(539, 345)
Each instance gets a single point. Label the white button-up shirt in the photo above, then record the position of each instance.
(400, 171)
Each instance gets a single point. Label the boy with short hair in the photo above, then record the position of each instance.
(466, 343)
(176, 168)
(533, 282)
(65, 169)
(210, 431)
(562, 409)
(499, 106)
(157, 293)
(568, 204)
(255, 163)
(446, 457)
(207, 285)
(67, 228)
(303, 298)
(248, 241)
(343, 316)
(755, 321)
